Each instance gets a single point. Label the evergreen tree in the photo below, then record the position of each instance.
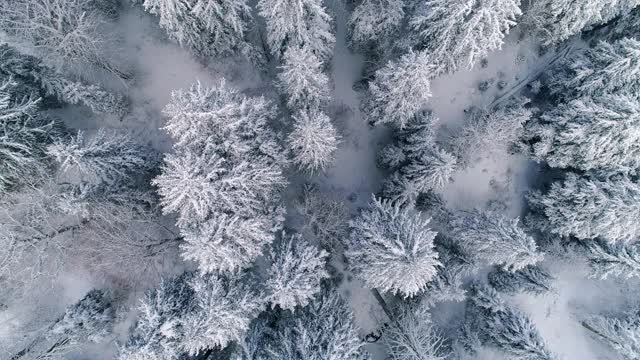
(599, 133)
(302, 80)
(531, 279)
(376, 21)
(557, 20)
(322, 330)
(588, 208)
(297, 268)
(391, 249)
(412, 336)
(297, 23)
(613, 259)
(400, 89)
(622, 334)
(313, 140)
(496, 239)
(459, 33)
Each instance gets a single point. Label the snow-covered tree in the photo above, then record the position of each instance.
(67, 34)
(226, 242)
(400, 89)
(105, 157)
(313, 140)
(298, 23)
(297, 268)
(620, 333)
(589, 208)
(531, 279)
(24, 134)
(606, 68)
(608, 259)
(498, 325)
(223, 310)
(495, 239)
(375, 20)
(391, 248)
(458, 33)
(90, 320)
(558, 20)
(419, 164)
(154, 334)
(302, 80)
(324, 217)
(49, 83)
(322, 330)
(487, 133)
(209, 28)
(411, 335)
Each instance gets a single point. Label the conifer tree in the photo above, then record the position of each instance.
(376, 21)
(607, 259)
(531, 279)
(620, 333)
(313, 141)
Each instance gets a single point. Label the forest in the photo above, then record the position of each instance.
(320, 179)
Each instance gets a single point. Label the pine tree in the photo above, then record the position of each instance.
(459, 33)
(209, 28)
(31, 72)
(106, 157)
(496, 239)
(322, 330)
(606, 68)
(313, 141)
(621, 334)
(391, 249)
(588, 208)
(375, 21)
(297, 23)
(412, 336)
(600, 133)
(498, 325)
(531, 279)
(558, 20)
(608, 259)
(400, 89)
(302, 80)
(297, 268)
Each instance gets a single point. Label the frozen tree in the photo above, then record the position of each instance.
(391, 248)
(400, 89)
(557, 20)
(488, 133)
(507, 329)
(313, 140)
(223, 310)
(209, 28)
(411, 335)
(531, 279)
(608, 259)
(30, 71)
(375, 20)
(23, 135)
(459, 33)
(154, 334)
(622, 334)
(106, 157)
(600, 133)
(322, 330)
(297, 23)
(324, 217)
(67, 34)
(302, 80)
(496, 239)
(225, 242)
(420, 164)
(588, 208)
(90, 320)
(297, 268)
(607, 68)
